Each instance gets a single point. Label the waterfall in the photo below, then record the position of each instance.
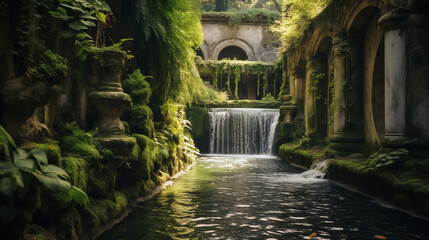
(242, 130)
(317, 170)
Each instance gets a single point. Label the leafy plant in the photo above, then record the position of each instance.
(296, 17)
(168, 33)
(387, 160)
(268, 97)
(80, 16)
(19, 167)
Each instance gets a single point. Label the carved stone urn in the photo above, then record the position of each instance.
(109, 101)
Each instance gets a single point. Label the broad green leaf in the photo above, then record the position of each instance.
(55, 170)
(5, 135)
(16, 174)
(79, 196)
(20, 153)
(83, 36)
(53, 182)
(104, 7)
(87, 23)
(7, 186)
(39, 155)
(87, 16)
(60, 15)
(67, 34)
(7, 213)
(74, 8)
(28, 164)
(7, 166)
(101, 16)
(77, 26)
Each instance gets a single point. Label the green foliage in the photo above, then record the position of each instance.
(236, 5)
(79, 143)
(80, 17)
(265, 72)
(268, 97)
(19, 167)
(139, 116)
(137, 87)
(52, 67)
(296, 17)
(236, 17)
(140, 119)
(168, 33)
(382, 161)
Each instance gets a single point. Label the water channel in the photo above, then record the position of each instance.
(257, 197)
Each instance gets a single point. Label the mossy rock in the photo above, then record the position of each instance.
(140, 118)
(243, 104)
(196, 116)
(105, 210)
(292, 153)
(36, 232)
(77, 169)
(80, 145)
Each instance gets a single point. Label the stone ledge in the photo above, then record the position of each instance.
(400, 188)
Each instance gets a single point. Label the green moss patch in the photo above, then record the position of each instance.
(293, 153)
(405, 185)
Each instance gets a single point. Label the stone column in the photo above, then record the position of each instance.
(340, 51)
(395, 31)
(309, 99)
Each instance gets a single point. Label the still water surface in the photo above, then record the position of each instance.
(254, 197)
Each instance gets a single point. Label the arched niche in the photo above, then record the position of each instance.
(378, 108)
(233, 52)
(365, 64)
(324, 60)
(203, 52)
(236, 43)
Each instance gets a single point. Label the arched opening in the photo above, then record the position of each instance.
(378, 91)
(324, 59)
(362, 37)
(233, 52)
(200, 53)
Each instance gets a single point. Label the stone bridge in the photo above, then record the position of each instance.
(361, 74)
(250, 40)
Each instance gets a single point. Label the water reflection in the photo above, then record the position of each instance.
(261, 198)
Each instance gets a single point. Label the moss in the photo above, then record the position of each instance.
(291, 152)
(250, 14)
(74, 147)
(404, 185)
(36, 232)
(69, 225)
(242, 104)
(79, 143)
(105, 210)
(140, 118)
(77, 170)
(137, 87)
(196, 116)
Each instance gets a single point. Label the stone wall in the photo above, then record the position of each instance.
(360, 74)
(252, 36)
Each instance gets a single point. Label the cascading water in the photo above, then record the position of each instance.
(242, 130)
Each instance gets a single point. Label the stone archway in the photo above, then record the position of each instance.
(237, 43)
(233, 52)
(204, 51)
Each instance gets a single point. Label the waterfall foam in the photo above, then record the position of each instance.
(242, 130)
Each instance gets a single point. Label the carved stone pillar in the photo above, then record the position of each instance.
(395, 75)
(310, 98)
(110, 101)
(340, 51)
